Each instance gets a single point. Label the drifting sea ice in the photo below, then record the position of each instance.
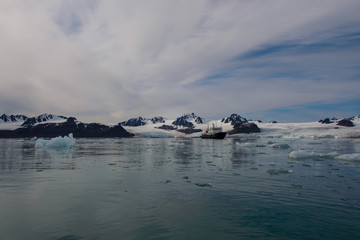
(350, 157)
(56, 143)
(249, 145)
(306, 154)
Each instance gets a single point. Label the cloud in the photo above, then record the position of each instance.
(110, 60)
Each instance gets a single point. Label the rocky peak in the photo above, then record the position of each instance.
(42, 118)
(234, 119)
(188, 120)
(158, 119)
(140, 121)
(326, 121)
(346, 122)
(12, 118)
(134, 122)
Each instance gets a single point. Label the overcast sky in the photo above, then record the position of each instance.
(109, 60)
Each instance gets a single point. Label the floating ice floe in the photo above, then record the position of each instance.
(306, 154)
(271, 144)
(246, 144)
(175, 144)
(249, 145)
(350, 157)
(56, 143)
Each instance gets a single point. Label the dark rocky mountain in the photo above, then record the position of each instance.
(167, 127)
(182, 122)
(186, 130)
(79, 130)
(326, 121)
(134, 122)
(158, 119)
(244, 128)
(187, 119)
(345, 122)
(241, 124)
(42, 118)
(189, 130)
(13, 118)
(140, 121)
(234, 119)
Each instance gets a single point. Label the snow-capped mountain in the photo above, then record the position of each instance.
(234, 119)
(11, 122)
(49, 125)
(158, 119)
(43, 118)
(188, 125)
(12, 118)
(134, 122)
(140, 121)
(188, 120)
(347, 122)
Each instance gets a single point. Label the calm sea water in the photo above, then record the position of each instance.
(145, 188)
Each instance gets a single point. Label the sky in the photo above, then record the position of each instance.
(111, 60)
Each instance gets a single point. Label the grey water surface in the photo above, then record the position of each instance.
(158, 188)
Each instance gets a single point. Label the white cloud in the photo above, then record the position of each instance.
(110, 60)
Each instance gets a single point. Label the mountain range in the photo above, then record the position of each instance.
(50, 125)
(188, 124)
(186, 120)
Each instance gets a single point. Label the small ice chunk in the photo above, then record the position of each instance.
(300, 154)
(246, 144)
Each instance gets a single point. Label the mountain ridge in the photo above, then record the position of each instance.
(51, 125)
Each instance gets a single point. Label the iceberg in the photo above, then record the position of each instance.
(56, 143)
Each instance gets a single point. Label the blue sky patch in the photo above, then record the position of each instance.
(69, 23)
(310, 111)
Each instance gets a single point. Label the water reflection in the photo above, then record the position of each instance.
(22, 155)
(175, 188)
(16, 154)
